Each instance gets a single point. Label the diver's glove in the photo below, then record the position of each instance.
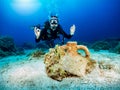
(72, 29)
(37, 32)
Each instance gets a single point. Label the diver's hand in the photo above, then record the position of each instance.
(72, 29)
(37, 32)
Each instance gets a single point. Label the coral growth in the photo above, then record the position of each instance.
(101, 45)
(111, 44)
(7, 46)
(3, 54)
(38, 53)
(20, 51)
(117, 49)
(105, 65)
(64, 61)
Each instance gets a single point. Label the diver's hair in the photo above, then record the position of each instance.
(53, 16)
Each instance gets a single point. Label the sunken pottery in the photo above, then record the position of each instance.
(65, 61)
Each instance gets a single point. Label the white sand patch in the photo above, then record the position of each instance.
(103, 77)
(27, 71)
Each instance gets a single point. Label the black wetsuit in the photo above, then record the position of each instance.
(48, 34)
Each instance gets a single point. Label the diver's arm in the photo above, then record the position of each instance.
(42, 34)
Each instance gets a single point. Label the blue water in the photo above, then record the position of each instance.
(94, 19)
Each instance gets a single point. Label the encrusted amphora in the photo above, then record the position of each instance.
(65, 61)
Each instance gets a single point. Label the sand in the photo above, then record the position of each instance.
(26, 73)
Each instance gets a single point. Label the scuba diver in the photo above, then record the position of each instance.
(52, 31)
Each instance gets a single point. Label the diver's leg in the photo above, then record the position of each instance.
(50, 43)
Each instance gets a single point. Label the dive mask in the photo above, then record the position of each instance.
(53, 21)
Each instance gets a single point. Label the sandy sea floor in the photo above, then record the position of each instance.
(26, 73)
